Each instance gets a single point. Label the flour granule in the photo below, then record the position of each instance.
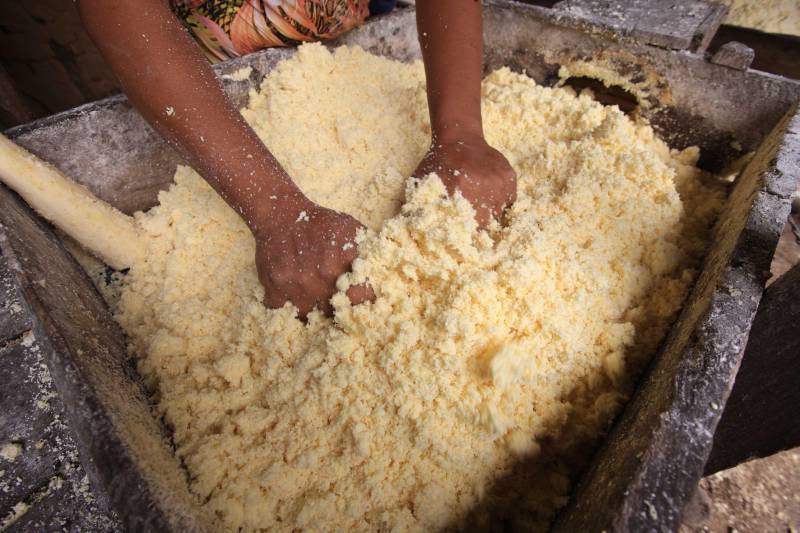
(490, 363)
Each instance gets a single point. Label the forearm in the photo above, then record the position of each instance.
(451, 37)
(450, 34)
(174, 88)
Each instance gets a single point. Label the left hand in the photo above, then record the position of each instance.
(482, 174)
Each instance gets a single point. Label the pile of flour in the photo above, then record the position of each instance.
(490, 362)
(775, 16)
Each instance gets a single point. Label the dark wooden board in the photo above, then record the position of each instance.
(686, 25)
(44, 487)
(14, 315)
(762, 415)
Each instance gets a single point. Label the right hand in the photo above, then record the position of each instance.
(301, 260)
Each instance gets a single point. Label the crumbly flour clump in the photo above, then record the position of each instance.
(775, 16)
(491, 362)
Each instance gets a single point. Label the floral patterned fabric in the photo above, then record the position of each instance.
(230, 28)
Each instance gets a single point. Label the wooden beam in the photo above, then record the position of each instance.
(762, 415)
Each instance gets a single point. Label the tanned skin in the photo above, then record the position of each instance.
(450, 34)
(299, 259)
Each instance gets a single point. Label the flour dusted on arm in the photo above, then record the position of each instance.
(482, 351)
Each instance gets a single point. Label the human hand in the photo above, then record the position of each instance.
(482, 174)
(300, 258)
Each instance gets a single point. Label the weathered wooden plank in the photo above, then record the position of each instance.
(686, 25)
(14, 316)
(43, 485)
(774, 53)
(761, 416)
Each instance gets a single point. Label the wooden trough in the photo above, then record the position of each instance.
(648, 466)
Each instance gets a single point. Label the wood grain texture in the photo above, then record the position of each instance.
(761, 416)
(687, 25)
(46, 482)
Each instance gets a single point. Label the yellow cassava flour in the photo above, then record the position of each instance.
(489, 363)
(776, 16)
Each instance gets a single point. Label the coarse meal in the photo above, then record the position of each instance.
(774, 16)
(491, 362)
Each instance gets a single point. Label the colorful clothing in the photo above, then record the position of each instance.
(230, 28)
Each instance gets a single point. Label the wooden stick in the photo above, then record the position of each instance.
(112, 236)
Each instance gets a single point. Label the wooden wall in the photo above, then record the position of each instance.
(47, 61)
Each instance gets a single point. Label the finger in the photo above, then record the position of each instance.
(360, 294)
(483, 215)
(326, 307)
(318, 296)
(303, 308)
(274, 300)
(277, 298)
(270, 294)
(511, 198)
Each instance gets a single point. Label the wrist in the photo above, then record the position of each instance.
(276, 210)
(446, 132)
